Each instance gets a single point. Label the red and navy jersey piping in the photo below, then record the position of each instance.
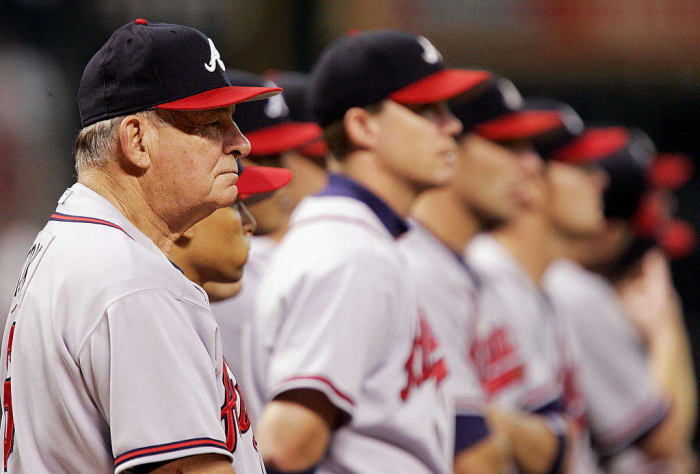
(341, 185)
(324, 380)
(60, 217)
(168, 448)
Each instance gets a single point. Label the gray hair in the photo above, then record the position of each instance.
(95, 143)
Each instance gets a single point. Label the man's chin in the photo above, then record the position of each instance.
(218, 291)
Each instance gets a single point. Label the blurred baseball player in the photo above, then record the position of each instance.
(522, 349)
(273, 134)
(215, 249)
(348, 365)
(111, 358)
(628, 389)
(492, 178)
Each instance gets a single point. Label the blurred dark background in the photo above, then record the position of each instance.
(634, 62)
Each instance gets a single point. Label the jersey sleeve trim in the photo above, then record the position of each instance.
(636, 427)
(170, 447)
(469, 406)
(316, 382)
(469, 430)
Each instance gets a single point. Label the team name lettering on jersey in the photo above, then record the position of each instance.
(233, 412)
(497, 360)
(423, 363)
(33, 252)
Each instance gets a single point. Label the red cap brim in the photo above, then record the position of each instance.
(261, 179)
(678, 239)
(439, 86)
(593, 145)
(522, 125)
(315, 149)
(221, 97)
(283, 137)
(670, 171)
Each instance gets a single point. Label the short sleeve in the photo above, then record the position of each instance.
(334, 323)
(622, 402)
(150, 365)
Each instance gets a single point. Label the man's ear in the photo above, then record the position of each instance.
(361, 128)
(132, 137)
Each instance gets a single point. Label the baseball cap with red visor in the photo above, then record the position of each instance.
(640, 186)
(499, 113)
(146, 65)
(296, 87)
(267, 123)
(364, 68)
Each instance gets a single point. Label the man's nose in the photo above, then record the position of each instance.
(236, 143)
(248, 222)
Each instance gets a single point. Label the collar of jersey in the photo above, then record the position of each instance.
(83, 201)
(435, 242)
(485, 252)
(341, 185)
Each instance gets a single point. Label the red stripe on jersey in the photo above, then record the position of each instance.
(497, 383)
(57, 216)
(325, 381)
(168, 447)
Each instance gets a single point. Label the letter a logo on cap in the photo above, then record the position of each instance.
(430, 54)
(276, 106)
(215, 58)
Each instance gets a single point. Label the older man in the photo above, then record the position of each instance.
(111, 358)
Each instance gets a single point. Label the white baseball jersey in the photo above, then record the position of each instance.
(448, 294)
(234, 314)
(523, 347)
(336, 313)
(623, 403)
(111, 357)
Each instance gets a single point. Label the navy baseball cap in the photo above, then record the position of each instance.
(266, 123)
(148, 65)
(625, 154)
(364, 68)
(297, 95)
(500, 114)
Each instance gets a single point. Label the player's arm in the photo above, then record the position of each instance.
(311, 382)
(199, 464)
(654, 307)
(295, 429)
(491, 454)
(540, 444)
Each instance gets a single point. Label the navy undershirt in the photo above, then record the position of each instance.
(341, 185)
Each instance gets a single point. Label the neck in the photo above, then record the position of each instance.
(445, 217)
(531, 241)
(397, 193)
(279, 232)
(124, 193)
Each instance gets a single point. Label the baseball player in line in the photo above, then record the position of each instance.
(215, 249)
(640, 403)
(350, 371)
(272, 135)
(519, 323)
(111, 358)
(492, 179)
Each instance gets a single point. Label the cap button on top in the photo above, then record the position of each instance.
(141, 21)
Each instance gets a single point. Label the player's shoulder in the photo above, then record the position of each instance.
(567, 281)
(91, 246)
(339, 228)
